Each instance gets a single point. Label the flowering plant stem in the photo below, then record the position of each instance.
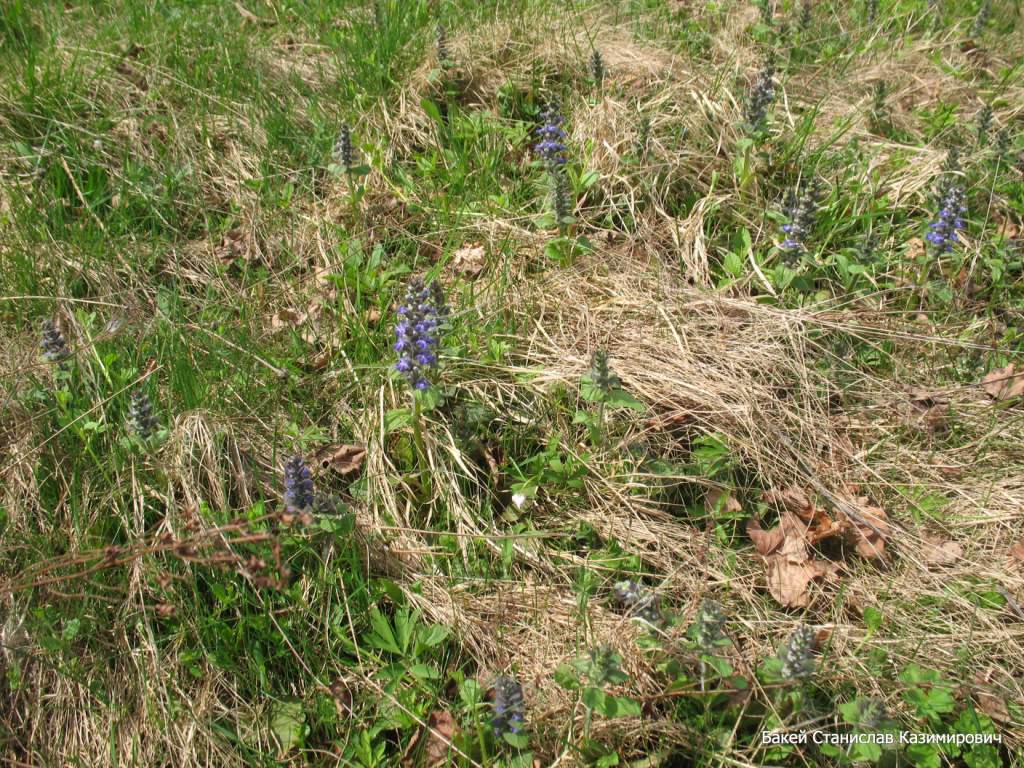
(426, 490)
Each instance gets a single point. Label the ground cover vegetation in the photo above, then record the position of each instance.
(514, 383)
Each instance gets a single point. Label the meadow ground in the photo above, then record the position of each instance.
(704, 422)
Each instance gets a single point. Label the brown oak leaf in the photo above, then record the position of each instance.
(789, 566)
(470, 260)
(991, 692)
(820, 525)
(938, 552)
(717, 501)
(1004, 383)
(869, 536)
(344, 459)
(441, 730)
(1017, 553)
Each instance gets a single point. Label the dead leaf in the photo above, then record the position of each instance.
(669, 420)
(235, 244)
(989, 699)
(1004, 383)
(343, 459)
(923, 398)
(915, 248)
(938, 552)
(470, 260)
(794, 499)
(765, 542)
(925, 410)
(342, 697)
(441, 728)
(1006, 227)
(320, 360)
(717, 501)
(871, 531)
(821, 526)
(287, 318)
(789, 567)
(1017, 553)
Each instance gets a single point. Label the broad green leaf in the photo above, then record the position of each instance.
(287, 722)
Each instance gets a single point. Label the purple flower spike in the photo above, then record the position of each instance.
(298, 485)
(551, 146)
(509, 706)
(417, 332)
(942, 232)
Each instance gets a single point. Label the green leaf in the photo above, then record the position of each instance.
(382, 636)
(435, 634)
(627, 707)
(517, 740)
(866, 752)
(396, 419)
(597, 700)
(623, 399)
(567, 677)
(589, 179)
(424, 672)
(405, 624)
(471, 692)
(287, 722)
(432, 110)
(924, 755)
(584, 417)
(70, 630)
(733, 264)
(721, 666)
(589, 391)
(850, 710)
(872, 619)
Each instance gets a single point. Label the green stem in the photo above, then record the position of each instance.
(421, 450)
(484, 757)
(352, 197)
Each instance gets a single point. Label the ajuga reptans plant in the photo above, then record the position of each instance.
(983, 123)
(509, 706)
(53, 344)
(298, 486)
(951, 202)
(879, 107)
(707, 629)
(1003, 143)
(141, 418)
(981, 19)
(801, 211)
(643, 136)
(418, 332)
(551, 146)
(797, 654)
(639, 601)
(806, 16)
(596, 67)
(762, 94)
(601, 374)
(344, 150)
(444, 54)
(871, 10)
(561, 196)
